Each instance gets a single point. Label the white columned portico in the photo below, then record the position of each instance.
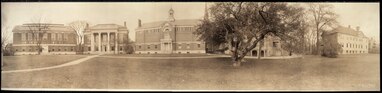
(116, 43)
(99, 42)
(108, 41)
(92, 42)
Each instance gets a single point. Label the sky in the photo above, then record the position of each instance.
(365, 15)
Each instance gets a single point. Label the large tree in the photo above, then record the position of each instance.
(79, 27)
(128, 45)
(5, 35)
(38, 28)
(242, 25)
(323, 18)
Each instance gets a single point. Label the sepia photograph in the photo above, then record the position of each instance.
(190, 46)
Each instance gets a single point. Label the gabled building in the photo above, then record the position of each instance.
(169, 36)
(352, 41)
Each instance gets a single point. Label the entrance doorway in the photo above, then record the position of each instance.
(262, 53)
(254, 53)
(105, 48)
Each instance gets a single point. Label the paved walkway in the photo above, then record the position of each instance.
(52, 67)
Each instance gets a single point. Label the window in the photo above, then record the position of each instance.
(23, 37)
(71, 49)
(53, 36)
(346, 51)
(89, 48)
(59, 49)
(275, 44)
(16, 49)
(29, 36)
(198, 45)
(120, 49)
(139, 47)
(52, 49)
(23, 49)
(156, 46)
(347, 45)
(64, 49)
(148, 47)
(45, 36)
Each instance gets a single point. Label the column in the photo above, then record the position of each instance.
(116, 43)
(92, 42)
(108, 41)
(99, 42)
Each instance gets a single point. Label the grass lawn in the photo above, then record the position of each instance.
(36, 61)
(349, 72)
(159, 55)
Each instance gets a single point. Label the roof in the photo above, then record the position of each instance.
(108, 26)
(184, 22)
(349, 31)
(52, 27)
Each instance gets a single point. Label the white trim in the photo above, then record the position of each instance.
(198, 42)
(44, 45)
(146, 52)
(186, 42)
(150, 28)
(147, 43)
(190, 51)
(50, 53)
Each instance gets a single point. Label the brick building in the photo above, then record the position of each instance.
(170, 36)
(61, 39)
(55, 39)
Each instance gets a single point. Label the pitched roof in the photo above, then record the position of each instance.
(349, 31)
(108, 26)
(183, 22)
(52, 27)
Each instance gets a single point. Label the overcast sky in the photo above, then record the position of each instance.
(365, 15)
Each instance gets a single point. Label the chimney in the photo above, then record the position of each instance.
(87, 25)
(349, 26)
(124, 23)
(357, 28)
(139, 23)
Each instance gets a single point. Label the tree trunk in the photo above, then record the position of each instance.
(318, 42)
(2, 63)
(259, 51)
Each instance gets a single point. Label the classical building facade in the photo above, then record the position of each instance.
(106, 38)
(61, 39)
(352, 41)
(170, 36)
(53, 38)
